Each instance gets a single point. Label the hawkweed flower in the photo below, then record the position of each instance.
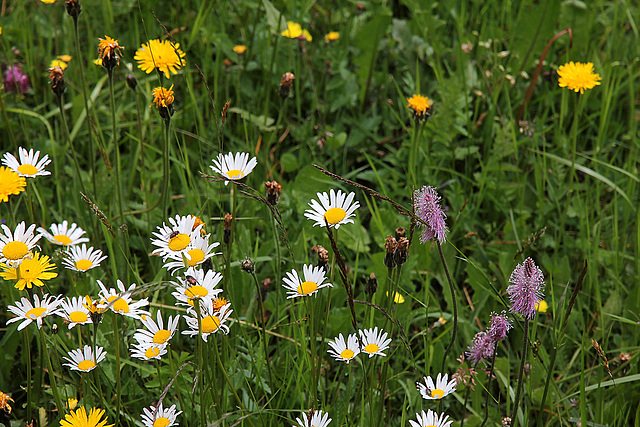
(79, 418)
(374, 342)
(28, 165)
(525, 290)
(331, 36)
(82, 259)
(198, 251)
(314, 278)
(63, 235)
(163, 100)
(318, 419)
(173, 241)
(56, 79)
(431, 419)
(72, 403)
(10, 183)
(397, 297)
(212, 321)
(164, 55)
(96, 309)
(344, 351)
(420, 106)
(155, 332)
(58, 63)
(441, 388)
(295, 31)
(578, 76)
(121, 302)
(227, 224)
(273, 191)
(160, 417)
(27, 312)
(285, 85)
(428, 209)
(4, 402)
(390, 245)
(84, 360)
(73, 311)
(30, 272)
(15, 81)
(336, 208)
(402, 251)
(542, 306)
(233, 168)
(16, 245)
(323, 256)
(109, 51)
(146, 350)
(240, 49)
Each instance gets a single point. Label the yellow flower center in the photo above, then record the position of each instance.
(161, 336)
(307, 287)
(35, 312)
(62, 239)
(120, 305)
(346, 354)
(152, 352)
(197, 256)
(161, 422)
(27, 169)
(78, 317)
(437, 393)
(196, 291)
(15, 250)
(235, 174)
(371, 348)
(210, 324)
(179, 242)
(83, 264)
(335, 215)
(86, 365)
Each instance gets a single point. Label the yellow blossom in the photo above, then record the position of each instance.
(577, 76)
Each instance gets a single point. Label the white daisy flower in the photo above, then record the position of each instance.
(28, 165)
(344, 351)
(160, 417)
(174, 240)
(198, 251)
(27, 312)
(121, 302)
(148, 350)
(73, 311)
(431, 419)
(63, 235)
(336, 208)
(313, 278)
(84, 360)
(233, 168)
(14, 247)
(211, 320)
(318, 419)
(196, 285)
(374, 342)
(440, 389)
(82, 259)
(155, 332)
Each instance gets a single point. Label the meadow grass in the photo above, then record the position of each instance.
(553, 176)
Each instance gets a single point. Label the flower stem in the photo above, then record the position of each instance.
(116, 347)
(203, 415)
(455, 306)
(486, 403)
(261, 329)
(52, 377)
(165, 169)
(516, 403)
(27, 346)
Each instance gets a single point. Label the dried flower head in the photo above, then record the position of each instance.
(56, 78)
(163, 100)
(109, 51)
(525, 290)
(73, 8)
(285, 84)
(273, 191)
(428, 209)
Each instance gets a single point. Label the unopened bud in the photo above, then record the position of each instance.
(371, 286)
(285, 84)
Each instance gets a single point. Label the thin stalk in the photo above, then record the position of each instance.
(261, 329)
(203, 415)
(165, 169)
(486, 403)
(455, 307)
(27, 346)
(516, 404)
(73, 151)
(116, 346)
(52, 377)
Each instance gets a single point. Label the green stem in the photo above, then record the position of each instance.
(52, 377)
(486, 403)
(203, 415)
(27, 346)
(73, 151)
(165, 169)
(516, 403)
(455, 307)
(261, 330)
(116, 346)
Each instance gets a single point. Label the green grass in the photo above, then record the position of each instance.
(561, 187)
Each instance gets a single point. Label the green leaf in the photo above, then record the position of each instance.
(275, 18)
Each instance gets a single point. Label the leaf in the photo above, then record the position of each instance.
(368, 40)
(275, 18)
(265, 124)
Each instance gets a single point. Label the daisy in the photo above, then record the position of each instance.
(318, 419)
(28, 165)
(79, 418)
(211, 321)
(336, 208)
(233, 167)
(27, 312)
(73, 311)
(83, 359)
(82, 259)
(197, 285)
(344, 351)
(578, 76)
(164, 55)
(374, 342)
(148, 350)
(10, 184)
(198, 251)
(440, 389)
(17, 245)
(31, 271)
(160, 417)
(313, 281)
(175, 240)
(63, 235)
(431, 419)
(156, 333)
(121, 302)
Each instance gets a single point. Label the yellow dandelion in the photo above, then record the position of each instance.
(162, 97)
(58, 63)
(293, 31)
(577, 76)
(332, 36)
(79, 418)
(10, 183)
(163, 55)
(542, 306)
(31, 272)
(419, 104)
(240, 49)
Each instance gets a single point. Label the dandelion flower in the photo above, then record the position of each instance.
(198, 251)
(431, 419)
(174, 240)
(79, 418)
(318, 419)
(74, 312)
(293, 31)
(336, 208)
(331, 36)
(420, 106)
(160, 417)
(31, 271)
(27, 312)
(14, 247)
(210, 320)
(233, 167)
(374, 342)
(121, 302)
(525, 290)
(164, 55)
(314, 278)
(428, 209)
(63, 235)
(240, 49)
(577, 76)
(542, 306)
(28, 165)
(344, 351)
(82, 259)
(440, 389)
(155, 332)
(10, 184)
(162, 98)
(83, 359)
(197, 284)
(147, 350)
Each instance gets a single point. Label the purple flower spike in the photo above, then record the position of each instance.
(500, 326)
(427, 204)
(15, 80)
(482, 347)
(525, 290)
